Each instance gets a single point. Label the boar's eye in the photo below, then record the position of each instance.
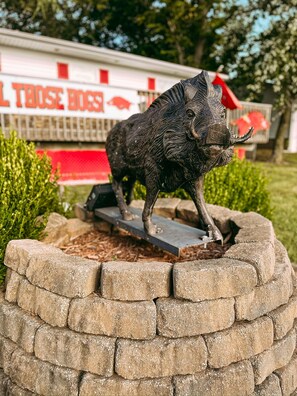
(190, 113)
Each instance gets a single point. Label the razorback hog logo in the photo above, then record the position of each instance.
(179, 138)
(255, 119)
(120, 103)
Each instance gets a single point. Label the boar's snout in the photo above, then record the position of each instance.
(218, 134)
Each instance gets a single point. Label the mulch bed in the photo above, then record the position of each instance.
(101, 246)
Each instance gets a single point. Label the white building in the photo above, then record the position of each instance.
(56, 90)
(62, 94)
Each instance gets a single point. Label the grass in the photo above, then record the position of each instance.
(283, 189)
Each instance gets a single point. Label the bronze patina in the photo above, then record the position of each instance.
(178, 139)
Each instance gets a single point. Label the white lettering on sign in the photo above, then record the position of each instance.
(23, 95)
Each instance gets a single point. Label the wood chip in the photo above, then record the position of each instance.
(100, 246)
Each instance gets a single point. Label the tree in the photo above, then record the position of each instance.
(60, 19)
(181, 31)
(266, 56)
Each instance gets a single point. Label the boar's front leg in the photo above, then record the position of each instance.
(195, 189)
(152, 192)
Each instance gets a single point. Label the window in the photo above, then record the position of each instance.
(151, 84)
(63, 71)
(104, 77)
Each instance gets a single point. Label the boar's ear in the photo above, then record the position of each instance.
(190, 92)
(219, 91)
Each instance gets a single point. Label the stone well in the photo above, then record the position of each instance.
(227, 327)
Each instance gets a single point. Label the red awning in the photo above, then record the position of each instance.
(229, 100)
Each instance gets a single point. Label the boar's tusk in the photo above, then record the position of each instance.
(241, 139)
(194, 134)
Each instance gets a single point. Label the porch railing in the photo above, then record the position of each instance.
(76, 129)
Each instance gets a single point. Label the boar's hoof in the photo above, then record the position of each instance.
(128, 215)
(151, 228)
(215, 233)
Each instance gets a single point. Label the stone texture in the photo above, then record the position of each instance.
(135, 281)
(250, 220)
(186, 210)
(270, 387)
(77, 227)
(221, 217)
(234, 380)
(83, 352)
(283, 317)
(3, 383)
(262, 258)
(166, 207)
(56, 230)
(239, 343)
(7, 348)
(288, 376)
(50, 307)
(176, 318)
(42, 378)
(137, 203)
(97, 315)
(212, 279)
(281, 253)
(14, 390)
(12, 286)
(102, 225)
(261, 234)
(276, 357)
(267, 297)
(55, 220)
(160, 357)
(1, 295)
(18, 326)
(66, 275)
(82, 213)
(19, 253)
(92, 385)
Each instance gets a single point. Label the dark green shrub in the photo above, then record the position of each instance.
(241, 185)
(27, 190)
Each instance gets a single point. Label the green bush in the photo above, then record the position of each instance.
(27, 190)
(240, 185)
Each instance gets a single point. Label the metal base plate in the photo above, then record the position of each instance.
(174, 238)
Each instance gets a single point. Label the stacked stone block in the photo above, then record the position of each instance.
(71, 326)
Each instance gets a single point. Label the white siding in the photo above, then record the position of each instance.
(23, 62)
(27, 63)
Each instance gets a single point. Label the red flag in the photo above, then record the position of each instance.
(258, 121)
(229, 100)
(252, 119)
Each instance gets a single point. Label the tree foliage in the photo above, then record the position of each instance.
(264, 55)
(179, 31)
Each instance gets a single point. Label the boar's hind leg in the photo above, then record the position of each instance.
(151, 197)
(195, 189)
(117, 186)
(129, 184)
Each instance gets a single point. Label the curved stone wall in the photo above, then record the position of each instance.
(71, 326)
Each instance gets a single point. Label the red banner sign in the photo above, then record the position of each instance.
(32, 96)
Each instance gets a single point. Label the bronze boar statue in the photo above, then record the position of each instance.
(180, 137)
